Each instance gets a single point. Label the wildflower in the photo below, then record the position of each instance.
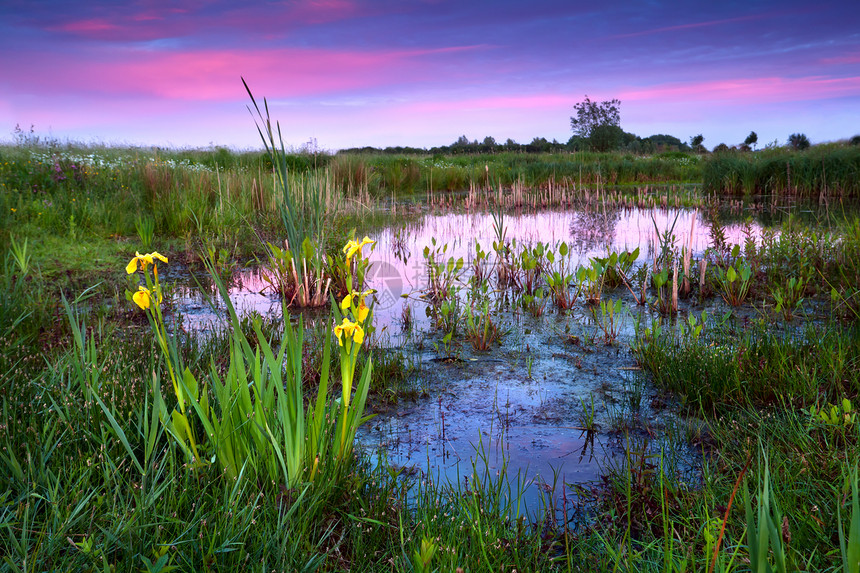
(350, 331)
(362, 310)
(144, 261)
(143, 297)
(352, 247)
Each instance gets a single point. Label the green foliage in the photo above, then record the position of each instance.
(823, 169)
(751, 139)
(481, 331)
(735, 284)
(764, 530)
(610, 319)
(598, 122)
(145, 226)
(726, 365)
(302, 213)
(798, 141)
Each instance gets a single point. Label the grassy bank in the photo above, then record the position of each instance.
(407, 174)
(822, 170)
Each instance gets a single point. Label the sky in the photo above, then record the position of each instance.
(351, 73)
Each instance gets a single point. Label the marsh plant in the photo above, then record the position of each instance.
(663, 302)
(481, 330)
(145, 226)
(447, 311)
(302, 212)
(253, 414)
(559, 275)
(788, 296)
(617, 266)
(442, 274)
(586, 415)
(282, 273)
(590, 279)
(535, 303)
(609, 318)
(531, 267)
(481, 268)
(692, 327)
(735, 284)
(21, 255)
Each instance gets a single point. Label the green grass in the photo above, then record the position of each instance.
(87, 484)
(827, 170)
(383, 174)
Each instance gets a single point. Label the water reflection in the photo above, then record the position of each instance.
(520, 404)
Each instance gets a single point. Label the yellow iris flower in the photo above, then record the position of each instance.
(143, 297)
(348, 330)
(143, 261)
(348, 300)
(354, 247)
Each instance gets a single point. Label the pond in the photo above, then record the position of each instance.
(524, 407)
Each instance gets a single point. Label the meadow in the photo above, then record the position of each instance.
(130, 442)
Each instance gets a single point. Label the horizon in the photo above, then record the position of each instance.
(350, 73)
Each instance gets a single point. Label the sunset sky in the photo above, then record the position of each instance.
(423, 72)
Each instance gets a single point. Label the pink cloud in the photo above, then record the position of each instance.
(748, 90)
(214, 74)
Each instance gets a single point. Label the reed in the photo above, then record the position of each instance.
(821, 170)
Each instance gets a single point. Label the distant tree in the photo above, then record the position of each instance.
(576, 143)
(463, 145)
(855, 140)
(798, 141)
(721, 148)
(606, 137)
(539, 145)
(664, 142)
(751, 139)
(488, 145)
(593, 120)
(696, 143)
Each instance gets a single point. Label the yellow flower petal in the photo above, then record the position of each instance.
(338, 331)
(142, 298)
(157, 255)
(363, 311)
(346, 302)
(348, 330)
(131, 267)
(350, 249)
